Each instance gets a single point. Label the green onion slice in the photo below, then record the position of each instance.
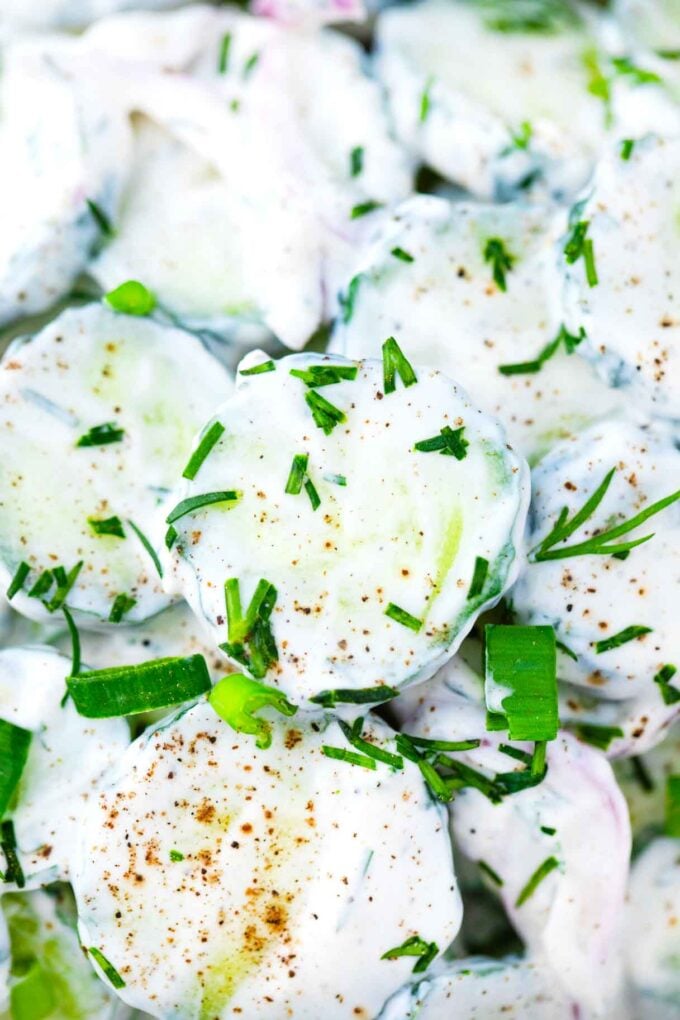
(236, 698)
(128, 690)
(107, 526)
(521, 674)
(14, 746)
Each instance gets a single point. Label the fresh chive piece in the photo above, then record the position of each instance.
(351, 757)
(363, 208)
(296, 476)
(42, 585)
(425, 101)
(128, 690)
(100, 218)
(520, 138)
(598, 544)
(401, 616)
(170, 537)
(627, 146)
(589, 262)
(566, 650)
(360, 696)
(18, 581)
(176, 856)
(394, 363)
(523, 660)
(548, 830)
(546, 17)
(131, 298)
(356, 161)
(223, 57)
(122, 604)
(450, 443)
(336, 480)
(598, 83)
(595, 735)
(65, 582)
(443, 745)
(440, 789)
(516, 753)
(487, 870)
(622, 638)
(414, 946)
(570, 341)
(326, 415)
(193, 503)
(663, 678)
(639, 75)
(314, 497)
(8, 843)
(250, 638)
(208, 441)
(148, 547)
(353, 735)
(673, 805)
(102, 435)
(316, 376)
(107, 526)
(496, 722)
(641, 773)
(479, 576)
(465, 776)
(347, 301)
(261, 369)
(578, 246)
(250, 64)
(236, 699)
(107, 968)
(500, 259)
(402, 254)
(14, 746)
(75, 641)
(31, 995)
(541, 872)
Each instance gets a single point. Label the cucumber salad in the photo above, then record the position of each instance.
(340, 510)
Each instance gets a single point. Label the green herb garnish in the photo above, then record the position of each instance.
(500, 259)
(627, 146)
(541, 872)
(622, 638)
(176, 856)
(147, 547)
(523, 660)
(208, 441)
(356, 161)
(351, 757)
(363, 208)
(401, 616)
(402, 255)
(8, 844)
(261, 369)
(316, 376)
(579, 245)
(122, 604)
(250, 64)
(450, 443)
(353, 735)
(638, 75)
(347, 301)
(663, 678)
(394, 363)
(100, 218)
(564, 337)
(107, 968)
(128, 690)
(673, 805)
(414, 946)
(223, 58)
(479, 576)
(425, 101)
(107, 526)
(487, 870)
(236, 699)
(250, 639)
(595, 735)
(102, 435)
(18, 581)
(14, 746)
(359, 696)
(193, 503)
(326, 415)
(75, 644)
(131, 298)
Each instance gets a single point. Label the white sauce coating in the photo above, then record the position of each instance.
(298, 873)
(594, 598)
(66, 757)
(446, 310)
(90, 367)
(406, 528)
(654, 24)
(631, 315)
(572, 920)
(69, 13)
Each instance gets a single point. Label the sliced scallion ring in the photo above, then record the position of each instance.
(127, 690)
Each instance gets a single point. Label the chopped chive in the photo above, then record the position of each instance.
(578, 246)
(122, 604)
(639, 75)
(570, 341)
(520, 138)
(541, 872)
(627, 146)
(402, 255)
(261, 369)
(359, 696)
(14, 746)
(414, 946)
(622, 638)
(440, 789)
(354, 737)
(490, 873)
(356, 161)
(495, 722)
(425, 101)
(548, 830)
(450, 443)
(223, 58)
(193, 503)
(100, 218)
(595, 735)
(516, 753)
(326, 415)
(102, 435)
(394, 363)
(31, 995)
(316, 376)
(107, 968)
(42, 585)
(65, 583)
(347, 301)
(250, 638)
(107, 526)
(538, 766)
(207, 442)
(465, 776)
(641, 773)
(663, 678)
(176, 856)
(351, 757)
(501, 260)
(598, 544)
(401, 616)
(479, 576)
(443, 745)
(336, 480)
(75, 641)
(296, 476)
(131, 298)
(314, 498)
(673, 805)
(250, 64)
(18, 581)
(236, 699)
(566, 650)
(170, 537)
(363, 208)
(589, 261)
(523, 660)
(128, 690)
(148, 547)
(8, 844)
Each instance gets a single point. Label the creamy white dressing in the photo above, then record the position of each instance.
(88, 368)
(405, 529)
(297, 874)
(652, 936)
